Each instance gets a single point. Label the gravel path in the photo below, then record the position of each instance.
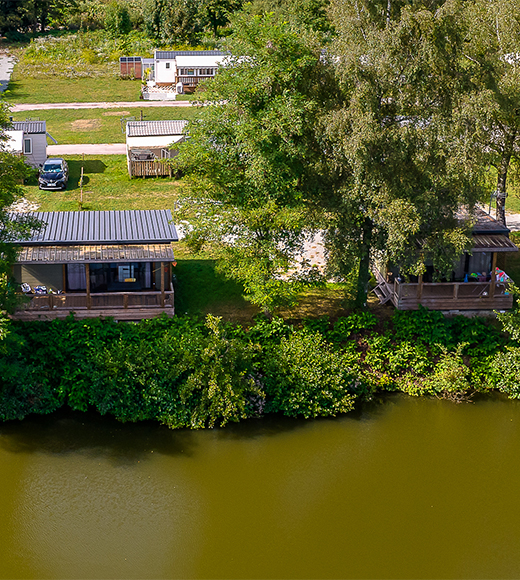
(6, 68)
(87, 149)
(106, 105)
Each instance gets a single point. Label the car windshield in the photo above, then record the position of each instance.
(52, 168)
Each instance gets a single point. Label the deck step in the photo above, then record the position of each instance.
(381, 291)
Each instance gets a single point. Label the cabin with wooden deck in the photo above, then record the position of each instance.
(149, 145)
(96, 263)
(171, 72)
(476, 282)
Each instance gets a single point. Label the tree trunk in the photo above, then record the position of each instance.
(501, 192)
(364, 264)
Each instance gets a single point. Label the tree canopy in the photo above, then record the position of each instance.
(361, 140)
(254, 158)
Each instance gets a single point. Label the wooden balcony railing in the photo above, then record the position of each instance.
(99, 301)
(448, 295)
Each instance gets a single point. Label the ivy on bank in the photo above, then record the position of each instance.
(187, 372)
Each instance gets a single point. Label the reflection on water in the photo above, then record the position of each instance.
(399, 489)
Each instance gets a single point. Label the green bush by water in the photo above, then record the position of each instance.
(194, 373)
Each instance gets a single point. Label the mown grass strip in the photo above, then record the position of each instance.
(106, 186)
(75, 126)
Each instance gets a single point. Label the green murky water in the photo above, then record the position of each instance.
(409, 488)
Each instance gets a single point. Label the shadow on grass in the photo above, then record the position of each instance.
(14, 92)
(89, 166)
(200, 289)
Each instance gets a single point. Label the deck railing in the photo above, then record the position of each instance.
(448, 295)
(99, 301)
(148, 168)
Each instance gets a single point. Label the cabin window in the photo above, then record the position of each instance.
(167, 65)
(191, 72)
(120, 277)
(76, 277)
(27, 146)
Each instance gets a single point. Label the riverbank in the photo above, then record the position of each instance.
(192, 373)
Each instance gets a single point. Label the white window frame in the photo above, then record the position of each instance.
(25, 141)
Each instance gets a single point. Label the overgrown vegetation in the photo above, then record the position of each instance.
(195, 373)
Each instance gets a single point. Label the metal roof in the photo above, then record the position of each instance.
(29, 126)
(172, 54)
(483, 223)
(492, 243)
(154, 128)
(100, 227)
(96, 253)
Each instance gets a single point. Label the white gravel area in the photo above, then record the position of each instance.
(6, 69)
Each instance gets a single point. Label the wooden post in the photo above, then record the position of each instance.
(493, 276)
(162, 285)
(64, 274)
(87, 274)
(420, 288)
(455, 291)
(125, 300)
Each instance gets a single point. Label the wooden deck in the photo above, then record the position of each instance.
(119, 305)
(445, 295)
(149, 168)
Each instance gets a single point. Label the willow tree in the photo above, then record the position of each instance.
(254, 159)
(402, 171)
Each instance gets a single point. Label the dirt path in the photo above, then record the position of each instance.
(106, 105)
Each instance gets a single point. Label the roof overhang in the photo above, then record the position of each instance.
(153, 141)
(113, 254)
(492, 243)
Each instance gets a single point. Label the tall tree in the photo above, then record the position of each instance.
(402, 173)
(254, 159)
(172, 21)
(492, 107)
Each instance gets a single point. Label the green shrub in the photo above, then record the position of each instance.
(352, 324)
(305, 376)
(505, 371)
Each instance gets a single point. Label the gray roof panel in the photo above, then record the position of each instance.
(29, 126)
(100, 227)
(171, 54)
(155, 128)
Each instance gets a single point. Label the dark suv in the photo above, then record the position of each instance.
(54, 174)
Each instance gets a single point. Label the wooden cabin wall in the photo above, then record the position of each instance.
(50, 275)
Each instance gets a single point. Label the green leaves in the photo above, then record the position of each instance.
(305, 376)
(188, 373)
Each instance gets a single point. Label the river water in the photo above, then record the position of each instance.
(404, 488)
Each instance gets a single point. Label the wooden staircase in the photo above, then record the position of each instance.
(382, 292)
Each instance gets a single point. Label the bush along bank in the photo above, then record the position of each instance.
(187, 372)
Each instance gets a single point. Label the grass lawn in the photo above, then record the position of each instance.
(81, 90)
(201, 290)
(70, 126)
(107, 186)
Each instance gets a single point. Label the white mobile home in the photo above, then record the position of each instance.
(172, 72)
(34, 145)
(147, 142)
